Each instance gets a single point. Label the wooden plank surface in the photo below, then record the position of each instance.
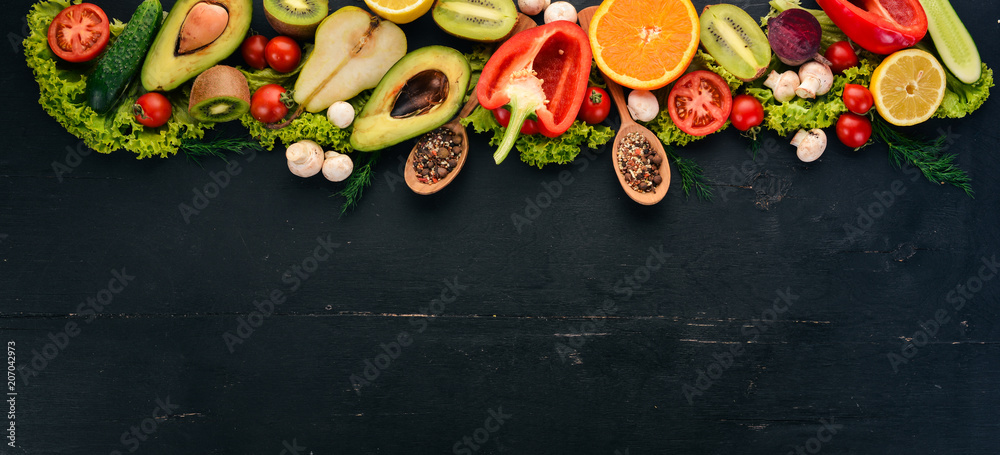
(751, 324)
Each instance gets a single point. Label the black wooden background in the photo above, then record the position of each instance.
(751, 324)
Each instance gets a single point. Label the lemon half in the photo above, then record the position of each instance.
(908, 87)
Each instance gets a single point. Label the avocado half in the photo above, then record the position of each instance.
(421, 92)
(166, 67)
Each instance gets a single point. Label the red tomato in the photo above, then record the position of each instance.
(841, 56)
(854, 130)
(858, 99)
(79, 32)
(152, 109)
(267, 104)
(747, 112)
(253, 51)
(530, 126)
(596, 106)
(700, 103)
(283, 54)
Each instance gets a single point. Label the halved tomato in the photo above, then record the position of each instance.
(700, 103)
(79, 32)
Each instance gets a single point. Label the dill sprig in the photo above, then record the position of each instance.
(218, 148)
(928, 156)
(692, 177)
(361, 178)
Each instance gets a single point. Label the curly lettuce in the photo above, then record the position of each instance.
(62, 89)
(822, 112)
(961, 99)
(312, 126)
(538, 150)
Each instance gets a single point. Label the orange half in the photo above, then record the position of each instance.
(644, 45)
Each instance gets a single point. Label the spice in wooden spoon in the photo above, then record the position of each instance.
(638, 156)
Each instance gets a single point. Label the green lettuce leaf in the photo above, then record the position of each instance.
(961, 99)
(312, 126)
(62, 87)
(822, 112)
(538, 150)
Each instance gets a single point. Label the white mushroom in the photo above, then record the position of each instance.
(782, 85)
(560, 11)
(811, 144)
(816, 78)
(305, 158)
(643, 105)
(337, 166)
(341, 114)
(532, 7)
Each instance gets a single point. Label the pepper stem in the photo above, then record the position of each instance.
(518, 114)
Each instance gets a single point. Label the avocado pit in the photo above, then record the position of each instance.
(421, 93)
(204, 24)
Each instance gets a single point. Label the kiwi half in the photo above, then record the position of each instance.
(734, 39)
(220, 94)
(296, 18)
(477, 20)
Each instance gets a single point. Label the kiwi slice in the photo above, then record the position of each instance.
(477, 20)
(220, 94)
(734, 39)
(296, 18)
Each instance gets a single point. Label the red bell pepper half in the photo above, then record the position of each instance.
(881, 26)
(543, 70)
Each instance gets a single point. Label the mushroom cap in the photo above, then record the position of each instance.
(643, 105)
(821, 72)
(532, 7)
(340, 114)
(560, 11)
(305, 158)
(337, 166)
(811, 144)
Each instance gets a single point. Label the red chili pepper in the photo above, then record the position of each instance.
(881, 26)
(544, 70)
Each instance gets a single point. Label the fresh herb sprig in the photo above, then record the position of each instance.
(361, 178)
(692, 176)
(218, 148)
(928, 156)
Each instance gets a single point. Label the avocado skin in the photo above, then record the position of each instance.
(164, 71)
(376, 129)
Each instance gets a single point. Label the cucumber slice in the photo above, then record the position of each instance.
(953, 42)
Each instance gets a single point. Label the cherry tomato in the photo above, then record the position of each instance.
(79, 32)
(841, 56)
(858, 99)
(267, 104)
(747, 112)
(596, 106)
(283, 54)
(700, 103)
(530, 126)
(253, 51)
(152, 109)
(853, 130)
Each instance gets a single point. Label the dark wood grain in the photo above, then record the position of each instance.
(546, 327)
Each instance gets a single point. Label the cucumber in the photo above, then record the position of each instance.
(122, 60)
(954, 44)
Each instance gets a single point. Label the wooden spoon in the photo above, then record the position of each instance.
(410, 174)
(630, 126)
